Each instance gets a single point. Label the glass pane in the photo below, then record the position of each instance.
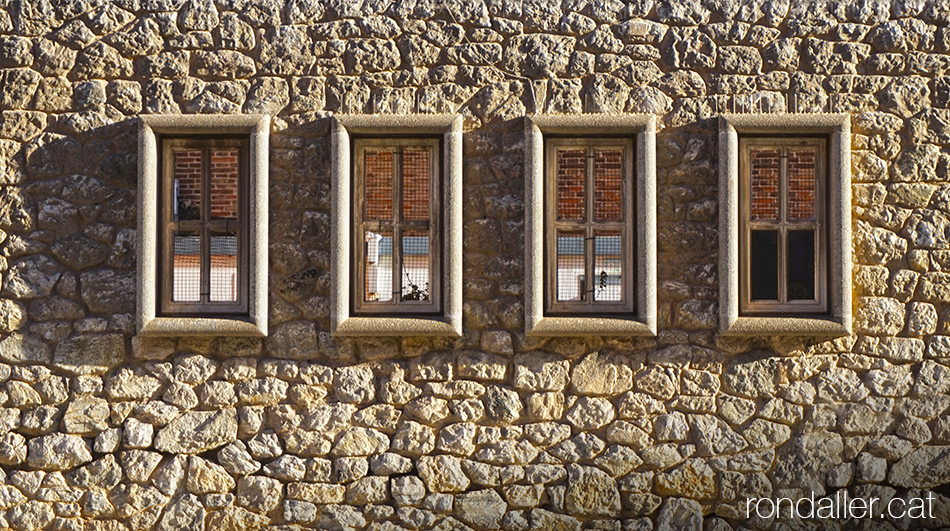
(379, 185)
(608, 185)
(764, 168)
(187, 185)
(415, 185)
(571, 177)
(802, 176)
(801, 265)
(378, 266)
(224, 268)
(186, 267)
(224, 184)
(571, 285)
(608, 265)
(415, 265)
(763, 265)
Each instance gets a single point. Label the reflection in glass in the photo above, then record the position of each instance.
(607, 266)
(186, 267)
(415, 265)
(571, 284)
(187, 185)
(801, 265)
(224, 268)
(764, 265)
(378, 266)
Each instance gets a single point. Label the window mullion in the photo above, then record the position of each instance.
(783, 226)
(205, 244)
(590, 249)
(397, 227)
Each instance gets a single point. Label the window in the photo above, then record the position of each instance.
(590, 249)
(203, 235)
(589, 225)
(782, 182)
(397, 226)
(397, 200)
(204, 211)
(785, 225)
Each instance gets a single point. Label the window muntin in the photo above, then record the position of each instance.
(589, 226)
(397, 240)
(203, 228)
(782, 230)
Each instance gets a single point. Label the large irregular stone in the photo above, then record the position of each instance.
(57, 451)
(107, 291)
(539, 55)
(541, 372)
(502, 405)
(483, 508)
(804, 461)
(601, 374)
(361, 441)
(680, 514)
(926, 467)
(442, 473)
(90, 353)
(714, 437)
(590, 413)
(20, 348)
(693, 479)
(879, 316)
(87, 415)
(183, 513)
(752, 375)
(196, 432)
(591, 492)
(30, 277)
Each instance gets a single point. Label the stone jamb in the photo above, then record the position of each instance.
(342, 322)
(257, 127)
(643, 322)
(838, 321)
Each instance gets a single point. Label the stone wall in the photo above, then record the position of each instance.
(105, 431)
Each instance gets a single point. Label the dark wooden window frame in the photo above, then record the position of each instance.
(397, 306)
(627, 227)
(206, 225)
(820, 304)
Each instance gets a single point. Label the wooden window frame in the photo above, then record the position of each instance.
(818, 305)
(252, 321)
(837, 320)
(344, 319)
(553, 226)
(205, 225)
(397, 306)
(641, 320)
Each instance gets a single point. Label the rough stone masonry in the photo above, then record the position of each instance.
(102, 430)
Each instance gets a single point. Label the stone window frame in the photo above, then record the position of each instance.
(837, 321)
(151, 128)
(343, 321)
(643, 320)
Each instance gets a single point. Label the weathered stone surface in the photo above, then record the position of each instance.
(19, 348)
(591, 492)
(196, 432)
(693, 479)
(183, 512)
(541, 372)
(442, 473)
(483, 508)
(360, 441)
(90, 353)
(86, 415)
(57, 451)
(600, 374)
(925, 467)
